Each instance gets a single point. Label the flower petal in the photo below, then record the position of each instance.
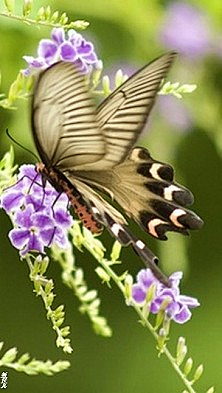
(67, 52)
(47, 49)
(29, 171)
(81, 65)
(19, 237)
(90, 58)
(74, 37)
(85, 48)
(47, 236)
(189, 301)
(34, 244)
(62, 218)
(61, 238)
(34, 62)
(42, 221)
(58, 35)
(11, 200)
(145, 278)
(183, 316)
(138, 294)
(24, 218)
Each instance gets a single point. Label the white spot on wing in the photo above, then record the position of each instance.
(140, 244)
(174, 217)
(95, 210)
(134, 156)
(115, 228)
(168, 192)
(154, 171)
(152, 226)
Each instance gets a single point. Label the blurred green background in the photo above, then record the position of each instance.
(187, 134)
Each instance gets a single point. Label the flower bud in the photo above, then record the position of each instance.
(41, 14)
(116, 249)
(198, 372)
(106, 85)
(27, 7)
(9, 5)
(55, 16)
(211, 390)
(188, 366)
(63, 19)
(118, 78)
(128, 286)
(48, 12)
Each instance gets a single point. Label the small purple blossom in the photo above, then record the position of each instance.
(178, 306)
(73, 48)
(38, 212)
(186, 29)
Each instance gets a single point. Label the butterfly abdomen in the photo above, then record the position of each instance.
(83, 212)
(77, 202)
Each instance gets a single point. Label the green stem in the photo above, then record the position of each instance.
(63, 342)
(30, 21)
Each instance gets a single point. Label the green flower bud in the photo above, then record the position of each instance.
(188, 366)
(106, 85)
(9, 5)
(27, 7)
(198, 372)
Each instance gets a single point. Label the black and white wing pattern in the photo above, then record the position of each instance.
(86, 150)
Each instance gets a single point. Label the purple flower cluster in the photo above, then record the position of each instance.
(178, 308)
(187, 29)
(36, 223)
(73, 48)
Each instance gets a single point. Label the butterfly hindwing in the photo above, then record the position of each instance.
(145, 190)
(154, 200)
(97, 213)
(126, 238)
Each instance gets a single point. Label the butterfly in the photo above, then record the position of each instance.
(88, 152)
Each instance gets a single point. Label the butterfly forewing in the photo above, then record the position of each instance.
(123, 114)
(64, 123)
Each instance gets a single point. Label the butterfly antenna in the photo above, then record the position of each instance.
(20, 145)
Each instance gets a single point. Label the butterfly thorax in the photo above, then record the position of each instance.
(80, 206)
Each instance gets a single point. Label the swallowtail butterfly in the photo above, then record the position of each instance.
(88, 151)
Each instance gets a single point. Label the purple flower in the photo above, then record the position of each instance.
(38, 212)
(73, 48)
(33, 230)
(187, 30)
(178, 306)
